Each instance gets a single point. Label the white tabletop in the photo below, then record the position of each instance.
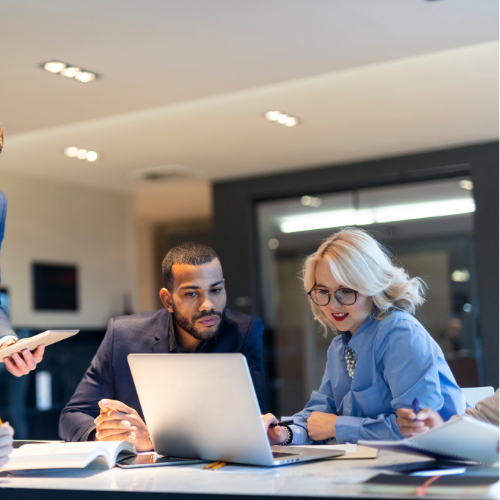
(327, 478)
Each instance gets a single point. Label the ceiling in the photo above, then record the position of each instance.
(186, 82)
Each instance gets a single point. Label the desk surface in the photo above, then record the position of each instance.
(327, 478)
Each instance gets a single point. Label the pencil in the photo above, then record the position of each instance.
(219, 465)
(209, 466)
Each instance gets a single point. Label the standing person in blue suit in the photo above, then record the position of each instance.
(105, 405)
(19, 364)
(382, 357)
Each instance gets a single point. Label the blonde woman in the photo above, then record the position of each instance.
(381, 358)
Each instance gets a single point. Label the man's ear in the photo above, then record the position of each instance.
(166, 299)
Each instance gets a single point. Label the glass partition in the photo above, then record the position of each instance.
(427, 226)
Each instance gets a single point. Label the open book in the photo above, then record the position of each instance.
(461, 438)
(99, 455)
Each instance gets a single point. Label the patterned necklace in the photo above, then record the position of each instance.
(349, 354)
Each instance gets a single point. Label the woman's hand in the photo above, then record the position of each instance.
(276, 435)
(6, 433)
(410, 424)
(321, 426)
(119, 422)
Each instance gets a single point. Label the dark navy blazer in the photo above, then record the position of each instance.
(109, 374)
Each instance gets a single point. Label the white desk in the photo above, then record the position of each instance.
(328, 478)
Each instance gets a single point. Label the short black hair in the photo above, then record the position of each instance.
(191, 253)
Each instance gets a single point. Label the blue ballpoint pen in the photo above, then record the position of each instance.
(416, 407)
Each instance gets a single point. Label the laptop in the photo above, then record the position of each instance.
(204, 406)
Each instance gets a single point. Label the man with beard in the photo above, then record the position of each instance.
(105, 406)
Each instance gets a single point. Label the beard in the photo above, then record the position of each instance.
(189, 325)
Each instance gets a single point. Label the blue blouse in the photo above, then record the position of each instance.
(396, 361)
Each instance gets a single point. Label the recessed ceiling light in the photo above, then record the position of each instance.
(70, 71)
(85, 76)
(291, 121)
(281, 118)
(272, 116)
(54, 66)
(92, 156)
(71, 152)
(81, 154)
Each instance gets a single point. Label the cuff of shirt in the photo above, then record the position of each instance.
(87, 434)
(347, 429)
(300, 435)
(7, 337)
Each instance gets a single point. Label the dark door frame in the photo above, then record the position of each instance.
(235, 231)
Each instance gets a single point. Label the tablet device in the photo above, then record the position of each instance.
(154, 460)
(47, 338)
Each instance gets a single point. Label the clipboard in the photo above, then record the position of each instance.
(46, 338)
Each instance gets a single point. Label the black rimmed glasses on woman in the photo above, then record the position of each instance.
(322, 296)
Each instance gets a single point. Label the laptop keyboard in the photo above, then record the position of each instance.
(277, 454)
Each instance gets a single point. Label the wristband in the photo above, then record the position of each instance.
(289, 437)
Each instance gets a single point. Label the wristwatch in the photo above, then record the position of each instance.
(289, 437)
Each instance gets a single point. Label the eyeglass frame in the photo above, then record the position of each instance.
(330, 294)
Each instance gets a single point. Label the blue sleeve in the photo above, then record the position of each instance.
(5, 327)
(252, 350)
(322, 401)
(408, 357)
(97, 383)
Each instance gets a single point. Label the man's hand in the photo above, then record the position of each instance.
(276, 435)
(21, 365)
(410, 424)
(119, 422)
(321, 425)
(6, 433)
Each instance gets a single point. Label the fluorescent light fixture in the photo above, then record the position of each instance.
(394, 213)
(466, 185)
(54, 66)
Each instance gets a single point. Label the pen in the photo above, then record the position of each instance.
(286, 422)
(416, 407)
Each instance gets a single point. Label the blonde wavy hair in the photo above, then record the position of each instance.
(359, 262)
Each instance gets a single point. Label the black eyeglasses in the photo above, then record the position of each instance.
(344, 296)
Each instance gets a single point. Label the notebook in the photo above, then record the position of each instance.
(461, 438)
(98, 455)
(453, 485)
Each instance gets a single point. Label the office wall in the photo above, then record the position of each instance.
(60, 223)
(164, 202)
(235, 233)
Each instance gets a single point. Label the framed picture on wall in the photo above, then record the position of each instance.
(55, 287)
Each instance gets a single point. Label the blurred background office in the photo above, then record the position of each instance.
(258, 127)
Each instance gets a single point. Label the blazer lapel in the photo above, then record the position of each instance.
(161, 344)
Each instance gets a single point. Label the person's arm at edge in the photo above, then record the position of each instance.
(6, 330)
(76, 422)
(486, 410)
